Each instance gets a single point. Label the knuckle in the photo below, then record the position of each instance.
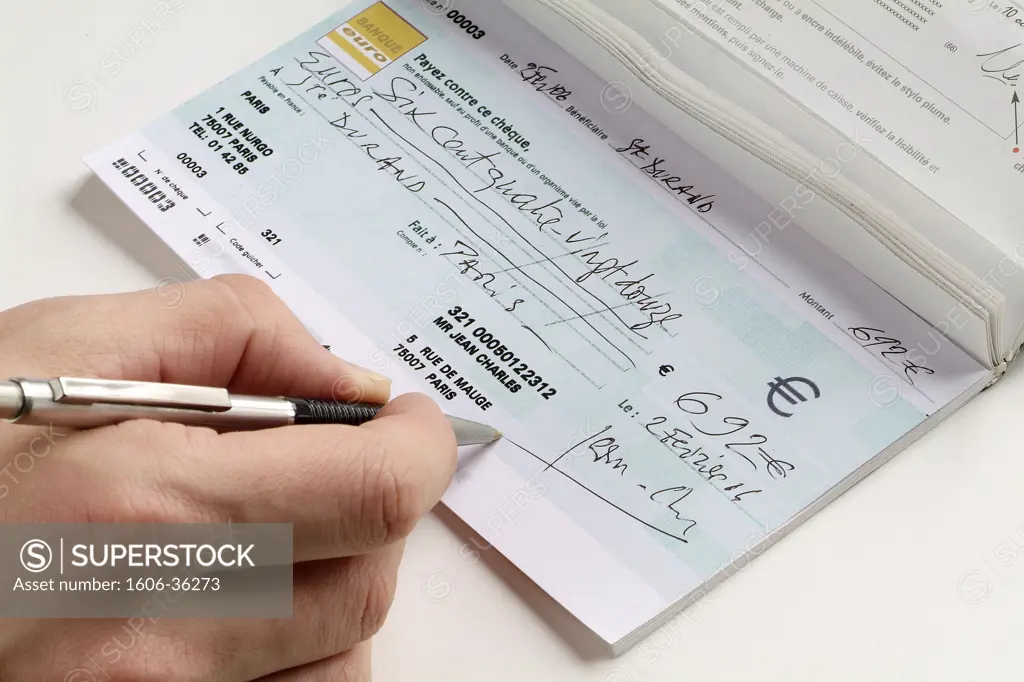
(219, 317)
(230, 291)
(377, 602)
(246, 285)
(238, 301)
(398, 506)
(392, 499)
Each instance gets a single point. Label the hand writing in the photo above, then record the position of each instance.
(1003, 66)
(353, 494)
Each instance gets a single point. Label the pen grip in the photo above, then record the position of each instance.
(332, 412)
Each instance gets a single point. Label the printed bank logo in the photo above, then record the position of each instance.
(371, 40)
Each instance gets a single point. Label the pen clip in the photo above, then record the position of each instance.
(71, 391)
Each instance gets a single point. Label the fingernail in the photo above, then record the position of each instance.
(374, 375)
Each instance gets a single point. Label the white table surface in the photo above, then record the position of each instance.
(916, 574)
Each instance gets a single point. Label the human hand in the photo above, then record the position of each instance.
(353, 494)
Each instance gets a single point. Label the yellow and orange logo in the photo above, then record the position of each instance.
(372, 39)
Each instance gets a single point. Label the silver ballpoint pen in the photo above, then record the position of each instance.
(77, 403)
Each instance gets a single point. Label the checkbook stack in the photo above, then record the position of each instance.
(965, 279)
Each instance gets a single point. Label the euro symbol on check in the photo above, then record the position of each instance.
(786, 389)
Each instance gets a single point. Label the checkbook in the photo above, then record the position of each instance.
(706, 264)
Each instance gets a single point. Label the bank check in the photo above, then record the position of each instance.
(443, 194)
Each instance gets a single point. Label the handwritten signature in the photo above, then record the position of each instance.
(1004, 66)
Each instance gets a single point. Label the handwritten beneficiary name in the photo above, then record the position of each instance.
(547, 214)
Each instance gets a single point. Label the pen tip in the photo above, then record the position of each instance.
(498, 435)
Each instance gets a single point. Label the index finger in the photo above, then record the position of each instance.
(230, 331)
